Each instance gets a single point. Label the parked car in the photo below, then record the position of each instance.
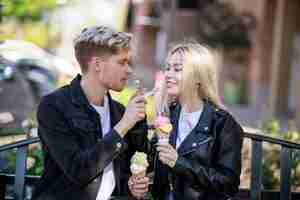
(27, 73)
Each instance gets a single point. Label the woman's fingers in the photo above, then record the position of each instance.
(167, 154)
(165, 145)
(170, 161)
(165, 148)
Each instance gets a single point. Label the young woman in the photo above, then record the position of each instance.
(203, 157)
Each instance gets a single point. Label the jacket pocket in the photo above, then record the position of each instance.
(85, 131)
(83, 125)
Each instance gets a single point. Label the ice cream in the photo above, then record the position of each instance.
(163, 128)
(139, 164)
(159, 80)
(139, 86)
(159, 93)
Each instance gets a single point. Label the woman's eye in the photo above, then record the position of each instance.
(178, 69)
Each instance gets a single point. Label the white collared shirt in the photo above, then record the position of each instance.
(108, 182)
(187, 122)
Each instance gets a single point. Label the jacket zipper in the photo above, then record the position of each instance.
(203, 142)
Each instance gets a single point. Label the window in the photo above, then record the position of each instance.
(188, 4)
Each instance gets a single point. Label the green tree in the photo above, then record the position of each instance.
(24, 10)
(222, 25)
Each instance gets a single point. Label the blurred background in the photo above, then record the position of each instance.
(258, 43)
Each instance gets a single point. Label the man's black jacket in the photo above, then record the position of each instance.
(75, 153)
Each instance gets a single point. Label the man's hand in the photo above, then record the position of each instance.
(135, 111)
(138, 186)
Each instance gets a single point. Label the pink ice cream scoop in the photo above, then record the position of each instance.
(163, 124)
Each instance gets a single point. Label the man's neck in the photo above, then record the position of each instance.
(93, 91)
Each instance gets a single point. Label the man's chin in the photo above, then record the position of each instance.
(118, 89)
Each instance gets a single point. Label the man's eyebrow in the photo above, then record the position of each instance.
(124, 60)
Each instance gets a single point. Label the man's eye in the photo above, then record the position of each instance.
(178, 69)
(123, 62)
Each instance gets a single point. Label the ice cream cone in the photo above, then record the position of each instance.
(163, 128)
(163, 138)
(139, 164)
(139, 174)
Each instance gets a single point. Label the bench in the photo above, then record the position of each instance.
(255, 192)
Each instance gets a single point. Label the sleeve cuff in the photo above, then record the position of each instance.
(115, 141)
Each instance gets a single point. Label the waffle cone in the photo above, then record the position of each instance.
(140, 174)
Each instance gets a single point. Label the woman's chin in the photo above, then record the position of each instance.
(172, 91)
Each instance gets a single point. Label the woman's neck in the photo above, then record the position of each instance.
(192, 105)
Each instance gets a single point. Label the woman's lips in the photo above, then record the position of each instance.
(171, 83)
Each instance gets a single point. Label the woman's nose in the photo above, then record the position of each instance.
(169, 74)
(129, 69)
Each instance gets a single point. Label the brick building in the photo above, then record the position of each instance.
(267, 70)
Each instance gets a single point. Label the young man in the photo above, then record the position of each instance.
(88, 138)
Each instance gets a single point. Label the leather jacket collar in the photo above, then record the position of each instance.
(199, 134)
(78, 98)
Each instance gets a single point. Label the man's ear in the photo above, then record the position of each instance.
(97, 62)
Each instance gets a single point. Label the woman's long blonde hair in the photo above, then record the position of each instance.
(199, 71)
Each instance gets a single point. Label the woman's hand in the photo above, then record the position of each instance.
(138, 186)
(167, 154)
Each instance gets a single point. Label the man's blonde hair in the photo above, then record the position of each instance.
(199, 71)
(99, 40)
